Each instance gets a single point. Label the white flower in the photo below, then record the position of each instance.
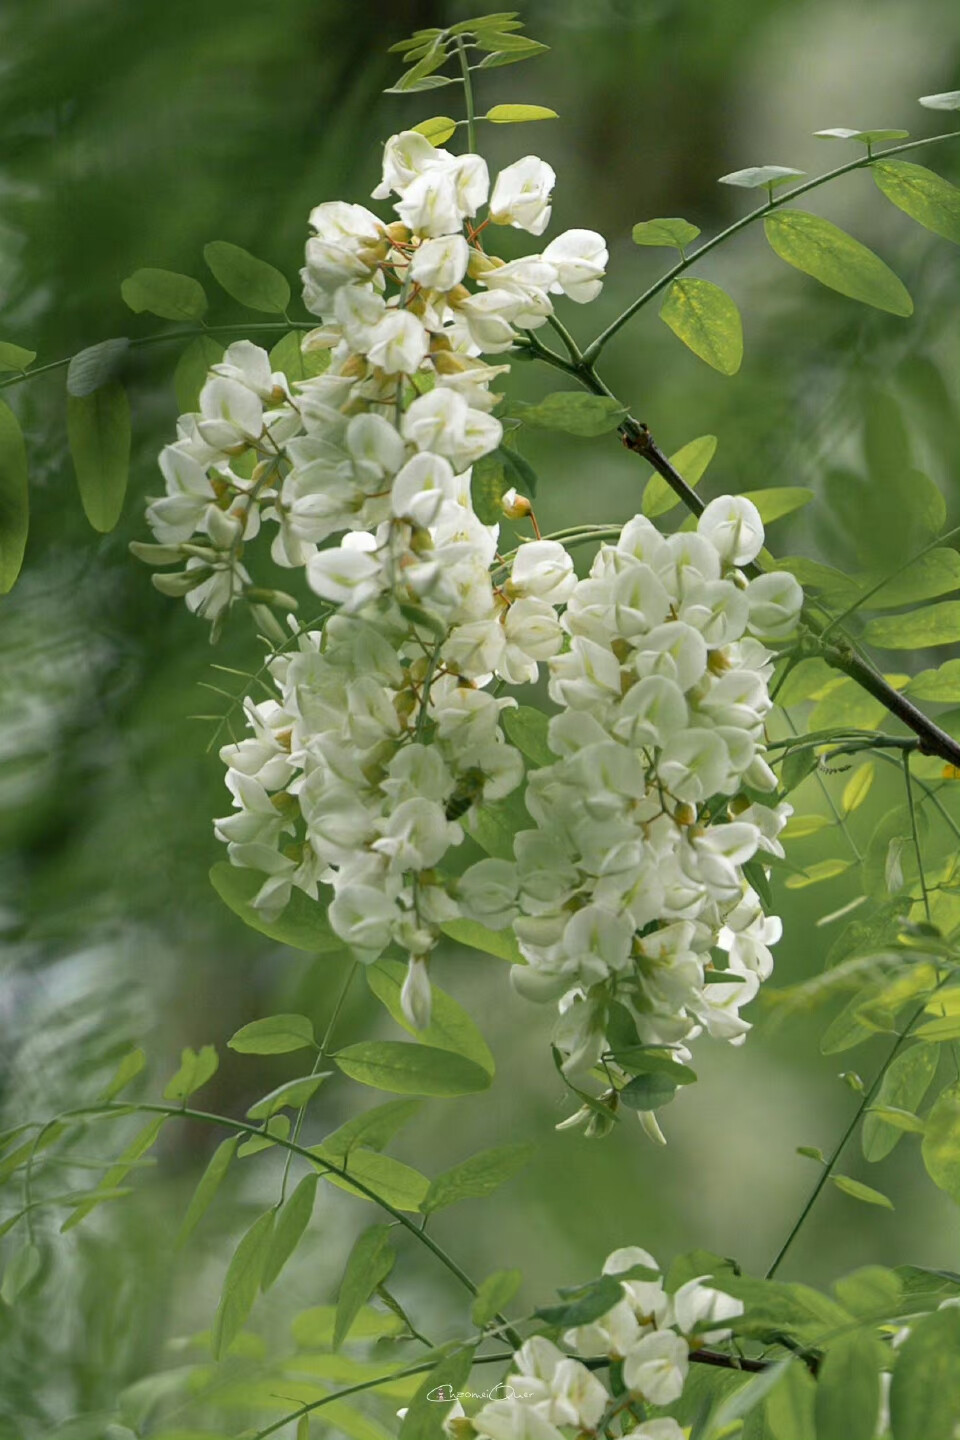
(231, 414)
(422, 487)
(344, 575)
(775, 602)
(521, 195)
(249, 365)
(490, 318)
(341, 250)
(363, 916)
(733, 526)
(663, 1429)
(441, 263)
(415, 997)
(580, 260)
(487, 892)
(695, 1303)
(398, 343)
(656, 1367)
(543, 568)
(405, 156)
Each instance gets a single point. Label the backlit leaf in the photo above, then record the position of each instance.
(923, 194)
(933, 625)
(903, 1086)
(821, 249)
(273, 1035)
(859, 1191)
(707, 321)
(674, 233)
(940, 684)
(848, 1388)
(289, 1096)
(858, 787)
(513, 114)
(196, 1068)
(15, 357)
(814, 874)
(437, 129)
(779, 500)
(925, 1391)
(690, 463)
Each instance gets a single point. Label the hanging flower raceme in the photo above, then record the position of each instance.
(359, 774)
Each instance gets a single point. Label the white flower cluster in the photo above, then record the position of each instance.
(382, 735)
(648, 1330)
(634, 873)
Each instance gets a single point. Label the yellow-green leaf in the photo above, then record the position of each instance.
(289, 1096)
(858, 786)
(798, 827)
(779, 500)
(903, 1088)
(493, 1294)
(858, 1191)
(196, 1068)
(450, 1028)
(707, 321)
(437, 129)
(411, 1069)
(369, 1263)
(814, 874)
(15, 357)
(14, 499)
(690, 463)
(922, 194)
(98, 429)
(933, 625)
(273, 1035)
(925, 1392)
(292, 1221)
(821, 249)
(673, 233)
(399, 1185)
(940, 684)
(515, 114)
(208, 1185)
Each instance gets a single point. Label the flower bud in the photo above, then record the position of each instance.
(415, 997)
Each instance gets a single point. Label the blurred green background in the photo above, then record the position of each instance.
(132, 133)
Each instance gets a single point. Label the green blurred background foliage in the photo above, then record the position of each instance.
(134, 132)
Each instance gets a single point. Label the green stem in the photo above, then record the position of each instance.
(835, 811)
(206, 1117)
(827, 1171)
(467, 97)
(573, 349)
(916, 834)
(594, 349)
(321, 1057)
(142, 341)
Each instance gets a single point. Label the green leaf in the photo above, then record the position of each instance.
(276, 1128)
(207, 1186)
(903, 1087)
(821, 249)
(690, 462)
(274, 1035)
(289, 357)
(399, 1185)
(493, 1295)
(426, 1414)
(644, 1060)
(98, 429)
(798, 827)
(313, 1329)
(848, 1388)
(191, 371)
(900, 1119)
(757, 177)
(933, 625)
(707, 321)
(14, 499)
(792, 1309)
(946, 100)
(871, 1291)
(940, 684)
(450, 1028)
(675, 233)
(488, 481)
(245, 278)
(866, 137)
(584, 1303)
(289, 1096)
(779, 500)
(649, 1091)
(789, 1407)
(128, 1069)
(925, 1391)
(369, 1264)
(515, 114)
(859, 1191)
(373, 1129)
(291, 1222)
(946, 1028)
(923, 194)
(118, 1172)
(526, 728)
(529, 51)
(241, 1283)
(521, 472)
(196, 1068)
(744, 1400)
(574, 413)
(19, 1271)
(302, 924)
(437, 129)
(494, 825)
(501, 943)
(96, 366)
(164, 293)
(410, 1069)
(15, 357)
(941, 1142)
(476, 1177)
(818, 872)
(843, 704)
